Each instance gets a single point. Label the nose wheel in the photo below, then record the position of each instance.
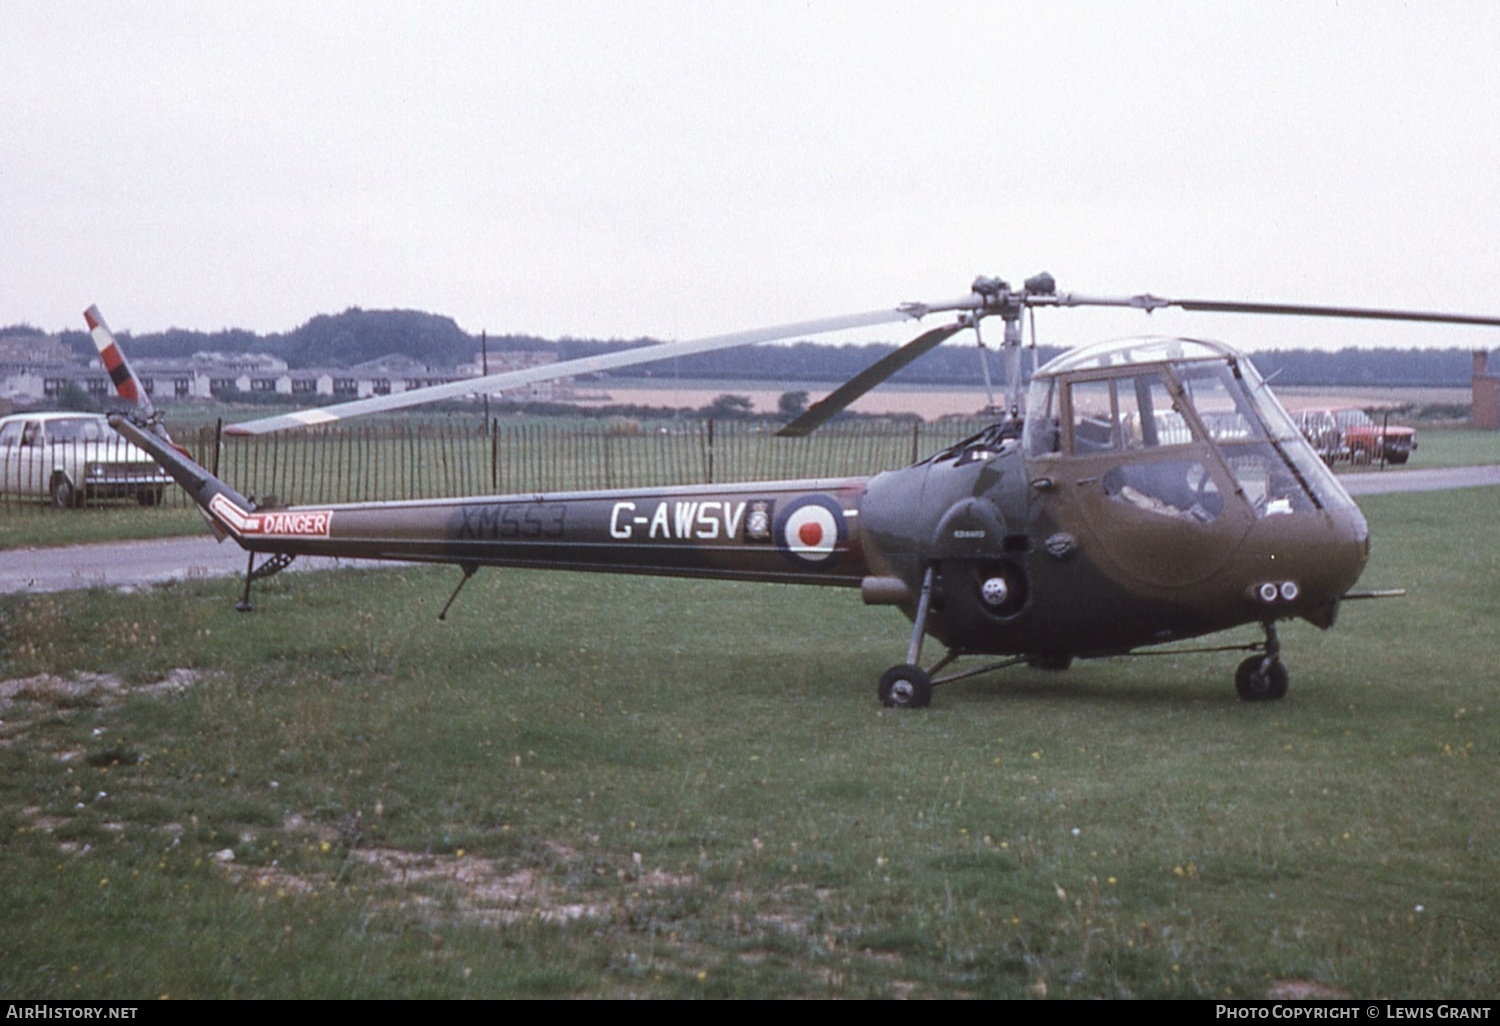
(1263, 678)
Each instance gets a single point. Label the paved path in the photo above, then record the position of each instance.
(135, 564)
(1387, 481)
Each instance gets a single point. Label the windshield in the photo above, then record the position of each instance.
(1352, 418)
(1218, 400)
(1271, 460)
(73, 431)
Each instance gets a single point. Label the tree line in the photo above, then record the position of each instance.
(357, 335)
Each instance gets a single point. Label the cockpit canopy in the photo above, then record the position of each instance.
(1139, 398)
(1135, 351)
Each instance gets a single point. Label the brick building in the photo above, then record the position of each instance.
(1486, 392)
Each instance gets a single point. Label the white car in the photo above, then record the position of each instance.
(69, 458)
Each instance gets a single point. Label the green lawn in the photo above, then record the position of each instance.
(1445, 447)
(594, 786)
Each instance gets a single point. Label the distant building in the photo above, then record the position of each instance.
(33, 368)
(34, 371)
(523, 359)
(1486, 393)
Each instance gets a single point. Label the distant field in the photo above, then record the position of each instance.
(585, 786)
(1298, 397)
(931, 402)
(926, 401)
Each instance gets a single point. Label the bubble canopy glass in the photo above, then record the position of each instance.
(1216, 396)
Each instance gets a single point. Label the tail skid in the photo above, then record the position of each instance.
(227, 511)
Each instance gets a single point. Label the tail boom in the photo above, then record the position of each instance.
(803, 532)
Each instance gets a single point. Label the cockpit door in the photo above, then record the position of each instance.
(1148, 496)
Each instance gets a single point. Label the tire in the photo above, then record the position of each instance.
(1397, 456)
(1257, 684)
(1359, 456)
(149, 497)
(905, 687)
(64, 495)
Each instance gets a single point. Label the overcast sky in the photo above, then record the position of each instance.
(617, 169)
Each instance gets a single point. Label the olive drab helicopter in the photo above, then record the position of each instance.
(1141, 492)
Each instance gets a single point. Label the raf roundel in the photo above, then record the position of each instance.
(810, 530)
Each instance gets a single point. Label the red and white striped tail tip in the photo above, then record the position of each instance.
(125, 381)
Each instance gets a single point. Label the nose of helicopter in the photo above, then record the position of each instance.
(1305, 567)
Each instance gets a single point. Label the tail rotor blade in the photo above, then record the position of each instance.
(126, 383)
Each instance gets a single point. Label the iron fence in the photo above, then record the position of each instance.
(417, 459)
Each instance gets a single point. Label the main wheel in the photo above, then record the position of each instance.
(1258, 682)
(63, 494)
(905, 687)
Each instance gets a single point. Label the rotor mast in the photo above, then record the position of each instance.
(997, 300)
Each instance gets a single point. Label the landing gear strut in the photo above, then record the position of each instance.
(908, 686)
(269, 567)
(1263, 678)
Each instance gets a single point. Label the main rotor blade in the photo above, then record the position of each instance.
(569, 368)
(1362, 313)
(1148, 302)
(839, 399)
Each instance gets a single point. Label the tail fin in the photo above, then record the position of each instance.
(126, 383)
(145, 423)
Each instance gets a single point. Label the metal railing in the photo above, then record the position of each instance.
(442, 458)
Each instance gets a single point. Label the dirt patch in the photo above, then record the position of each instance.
(1304, 990)
(26, 701)
(175, 682)
(88, 689)
(475, 887)
(467, 886)
(49, 689)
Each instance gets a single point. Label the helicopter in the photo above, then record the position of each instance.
(1141, 492)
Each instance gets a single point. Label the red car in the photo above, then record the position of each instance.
(1352, 434)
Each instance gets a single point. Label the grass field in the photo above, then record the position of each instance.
(1448, 447)
(593, 786)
